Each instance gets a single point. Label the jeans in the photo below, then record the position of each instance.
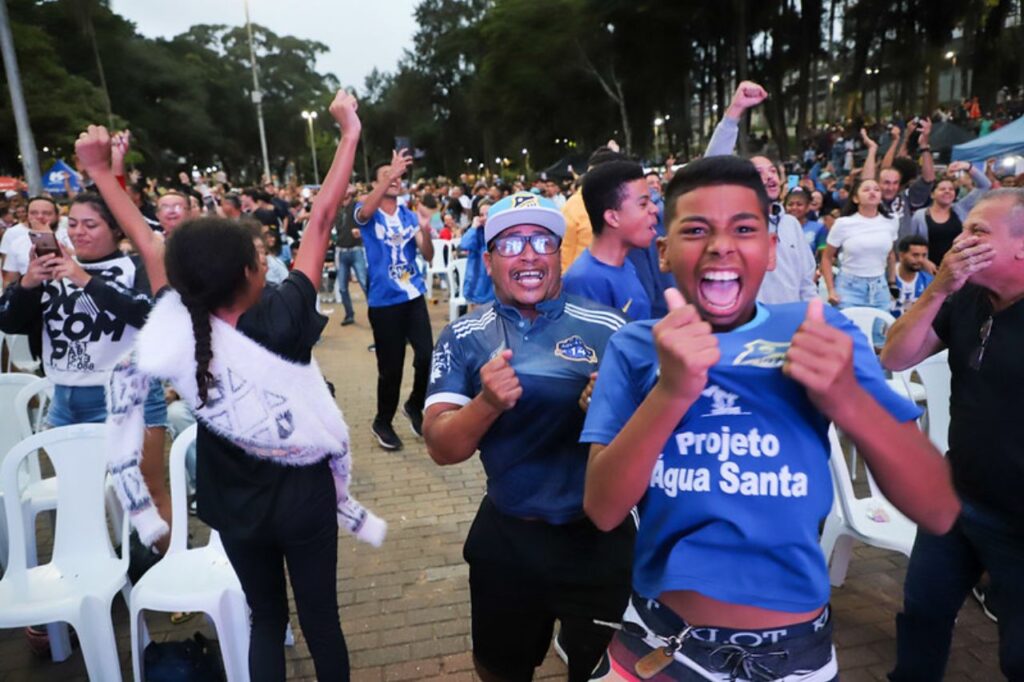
(942, 571)
(393, 326)
(346, 261)
(868, 292)
(88, 405)
(305, 535)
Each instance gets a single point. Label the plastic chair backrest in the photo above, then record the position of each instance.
(79, 455)
(935, 375)
(29, 423)
(840, 474)
(19, 354)
(865, 319)
(442, 252)
(11, 385)
(457, 291)
(179, 490)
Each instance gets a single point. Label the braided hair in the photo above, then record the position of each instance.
(207, 262)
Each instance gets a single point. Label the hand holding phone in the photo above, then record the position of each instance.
(44, 242)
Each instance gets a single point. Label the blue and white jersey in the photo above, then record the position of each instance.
(532, 454)
(737, 494)
(390, 242)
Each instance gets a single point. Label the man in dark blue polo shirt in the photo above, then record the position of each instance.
(510, 380)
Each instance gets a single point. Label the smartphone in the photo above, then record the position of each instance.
(792, 181)
(45, 243)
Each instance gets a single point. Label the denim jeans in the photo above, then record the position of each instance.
(88, 405)
(868, 292)
(348, 260)
(942, 571)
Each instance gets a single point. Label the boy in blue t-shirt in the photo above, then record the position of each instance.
(623, 217)
(911, 279)
(713, 421)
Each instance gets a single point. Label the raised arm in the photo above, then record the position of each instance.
(911, 127)
(313, 250)
(927, 161)
(723, 141)
(870, 169)
(400, 161)
(890, 153)
(93, 150)
(908, 468)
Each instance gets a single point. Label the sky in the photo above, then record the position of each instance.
(360, 34)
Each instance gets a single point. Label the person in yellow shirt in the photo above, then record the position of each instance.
(578, 232)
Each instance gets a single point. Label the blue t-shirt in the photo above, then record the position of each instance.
(617, 287)
(532, 454)
(390, 242)
(478, 287)
(816, 234)
(736, 497)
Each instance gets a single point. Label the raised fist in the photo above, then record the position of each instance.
(343, 109)
(748, 94)
(93, 149)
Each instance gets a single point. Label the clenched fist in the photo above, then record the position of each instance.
(93, 149)
(343, 109)
(748, 95)
(499, 384)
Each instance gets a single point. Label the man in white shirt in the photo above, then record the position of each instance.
(15, 246)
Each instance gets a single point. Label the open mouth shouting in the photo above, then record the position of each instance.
(719, 291)
(528, 278)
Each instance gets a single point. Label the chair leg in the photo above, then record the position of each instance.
(3, 536)
(140, 638)
(60, 641)
(840, 560)
(95, 629)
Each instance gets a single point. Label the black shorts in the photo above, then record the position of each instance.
(524, 575)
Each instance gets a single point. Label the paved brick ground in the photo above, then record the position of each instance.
(405, 607)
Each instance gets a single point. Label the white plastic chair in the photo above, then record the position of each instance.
(198, 579)
(439, 265)
(457, 292)
(19, 355)
(11, 384)
(84, 574)
(935, 376)
(872, 520)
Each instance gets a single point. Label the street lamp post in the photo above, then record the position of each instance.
(831, 87)
(310, 116)
(952, 78)
(658, 122)
(257, 96)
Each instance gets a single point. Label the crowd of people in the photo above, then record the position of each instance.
(648, 368)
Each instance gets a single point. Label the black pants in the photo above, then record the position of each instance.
(393, 326)
(306, 536)
(525, 575)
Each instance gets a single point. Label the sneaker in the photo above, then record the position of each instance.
(386, 436)
(347, 321)
(415, 418)
(559, 649)
(981, 594)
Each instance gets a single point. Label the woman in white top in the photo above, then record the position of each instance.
(863, 239)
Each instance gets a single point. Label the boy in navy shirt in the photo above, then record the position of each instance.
(623, 217)
(713, 421)
(510, 379)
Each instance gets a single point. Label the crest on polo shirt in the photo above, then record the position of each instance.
(761, 353)
(574, 350)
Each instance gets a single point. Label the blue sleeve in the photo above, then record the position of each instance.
(616, 394)
(469, 241)
(450, 378)
(869, 372)
(355, 218)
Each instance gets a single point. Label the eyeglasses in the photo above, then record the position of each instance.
(979, 352)
(513, 245)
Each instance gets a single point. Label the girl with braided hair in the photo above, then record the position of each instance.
(272, 447)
